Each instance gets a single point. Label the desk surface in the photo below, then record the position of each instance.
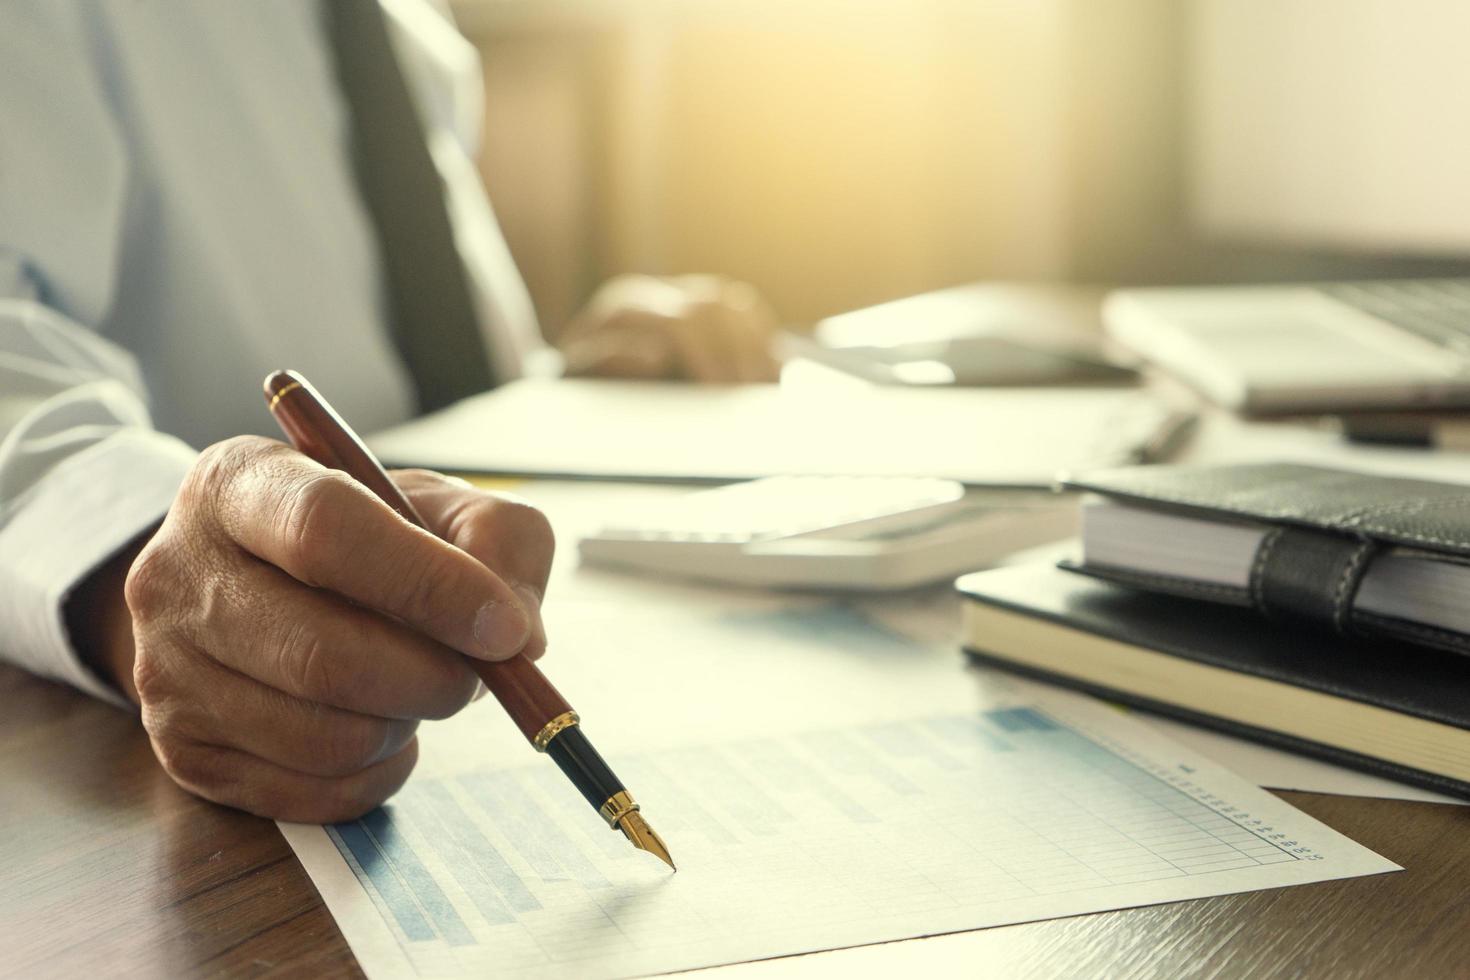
(107, 868)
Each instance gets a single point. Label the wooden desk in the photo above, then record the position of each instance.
(107, 869)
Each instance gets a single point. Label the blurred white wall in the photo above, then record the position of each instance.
(841, 152)
(1345, 123)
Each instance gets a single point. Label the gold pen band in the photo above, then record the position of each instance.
(553, 728)
(618, 806)
(283, 393)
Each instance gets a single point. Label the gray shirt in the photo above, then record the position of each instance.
(178, 217)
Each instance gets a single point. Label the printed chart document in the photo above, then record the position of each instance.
(821, 782)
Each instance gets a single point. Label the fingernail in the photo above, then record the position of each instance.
(501, 629)
(480, 691)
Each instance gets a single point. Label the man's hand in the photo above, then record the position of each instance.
(700, 328)
(291, 630)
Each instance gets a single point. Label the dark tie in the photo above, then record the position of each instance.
(431, 315)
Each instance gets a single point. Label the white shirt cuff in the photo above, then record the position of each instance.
(80, 514)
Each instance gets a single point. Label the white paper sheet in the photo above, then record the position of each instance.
(821, 783)
(652, 430)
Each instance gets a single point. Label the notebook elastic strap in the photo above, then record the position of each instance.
(1309, 575)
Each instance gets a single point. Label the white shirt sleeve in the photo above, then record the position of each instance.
(82, 473)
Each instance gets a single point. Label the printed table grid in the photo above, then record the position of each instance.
(939, 814)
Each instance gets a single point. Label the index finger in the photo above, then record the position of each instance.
(326, 530)
(499, 530)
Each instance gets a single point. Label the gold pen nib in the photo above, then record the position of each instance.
(636, 829)
(621, 812)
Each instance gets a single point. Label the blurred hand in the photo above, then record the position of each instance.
(701, 328)
(291, 630)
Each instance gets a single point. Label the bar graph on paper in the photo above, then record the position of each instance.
(830, 838)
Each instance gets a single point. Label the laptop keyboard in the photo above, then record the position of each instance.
(1437, 310)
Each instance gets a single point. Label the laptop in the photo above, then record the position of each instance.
(1401, 343)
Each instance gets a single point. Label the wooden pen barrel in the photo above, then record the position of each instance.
(523, 691)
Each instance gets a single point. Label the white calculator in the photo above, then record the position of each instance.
(832, 532)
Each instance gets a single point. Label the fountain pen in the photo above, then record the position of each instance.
(536, 707)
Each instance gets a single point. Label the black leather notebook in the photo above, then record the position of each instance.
(1384, 707)
(1349, 552)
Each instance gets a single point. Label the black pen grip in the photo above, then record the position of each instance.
(572, 751)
